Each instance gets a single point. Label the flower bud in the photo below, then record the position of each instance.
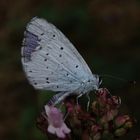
(96, 129)
(116, 100)
(103, 96)
(109, 116)
(121, 120)
(95, 107)
(106, 126)
(69, 107)
(97, 136)
(78, 108)
(128, 124)
(119, 132)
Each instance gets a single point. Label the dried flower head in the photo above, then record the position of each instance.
(101, 121)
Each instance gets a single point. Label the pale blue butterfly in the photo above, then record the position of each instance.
(51, 62)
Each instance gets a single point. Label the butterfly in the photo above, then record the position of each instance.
(51, 62)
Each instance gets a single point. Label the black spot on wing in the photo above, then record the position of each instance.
(76, 66)
(47, 82)
(88, 80)
(35, 83)
(61, 48)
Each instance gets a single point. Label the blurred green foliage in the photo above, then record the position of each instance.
(106, 33)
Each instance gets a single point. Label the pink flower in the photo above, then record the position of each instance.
(121, 120)
(56, 122)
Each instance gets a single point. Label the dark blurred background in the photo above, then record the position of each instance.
(106, 33)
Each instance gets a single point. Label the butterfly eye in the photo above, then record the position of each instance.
(53, 35)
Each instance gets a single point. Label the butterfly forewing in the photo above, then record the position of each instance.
(50, 61)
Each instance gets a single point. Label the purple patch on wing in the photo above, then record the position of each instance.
(30, 43)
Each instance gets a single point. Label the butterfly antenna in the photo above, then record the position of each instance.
(118, 78)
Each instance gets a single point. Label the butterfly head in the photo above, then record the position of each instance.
(91, 84)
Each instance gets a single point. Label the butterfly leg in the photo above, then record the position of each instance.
(66, 115)
(88, 103)
(77, 102)
(77, 99)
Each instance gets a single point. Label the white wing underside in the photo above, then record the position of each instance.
(50, 61)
